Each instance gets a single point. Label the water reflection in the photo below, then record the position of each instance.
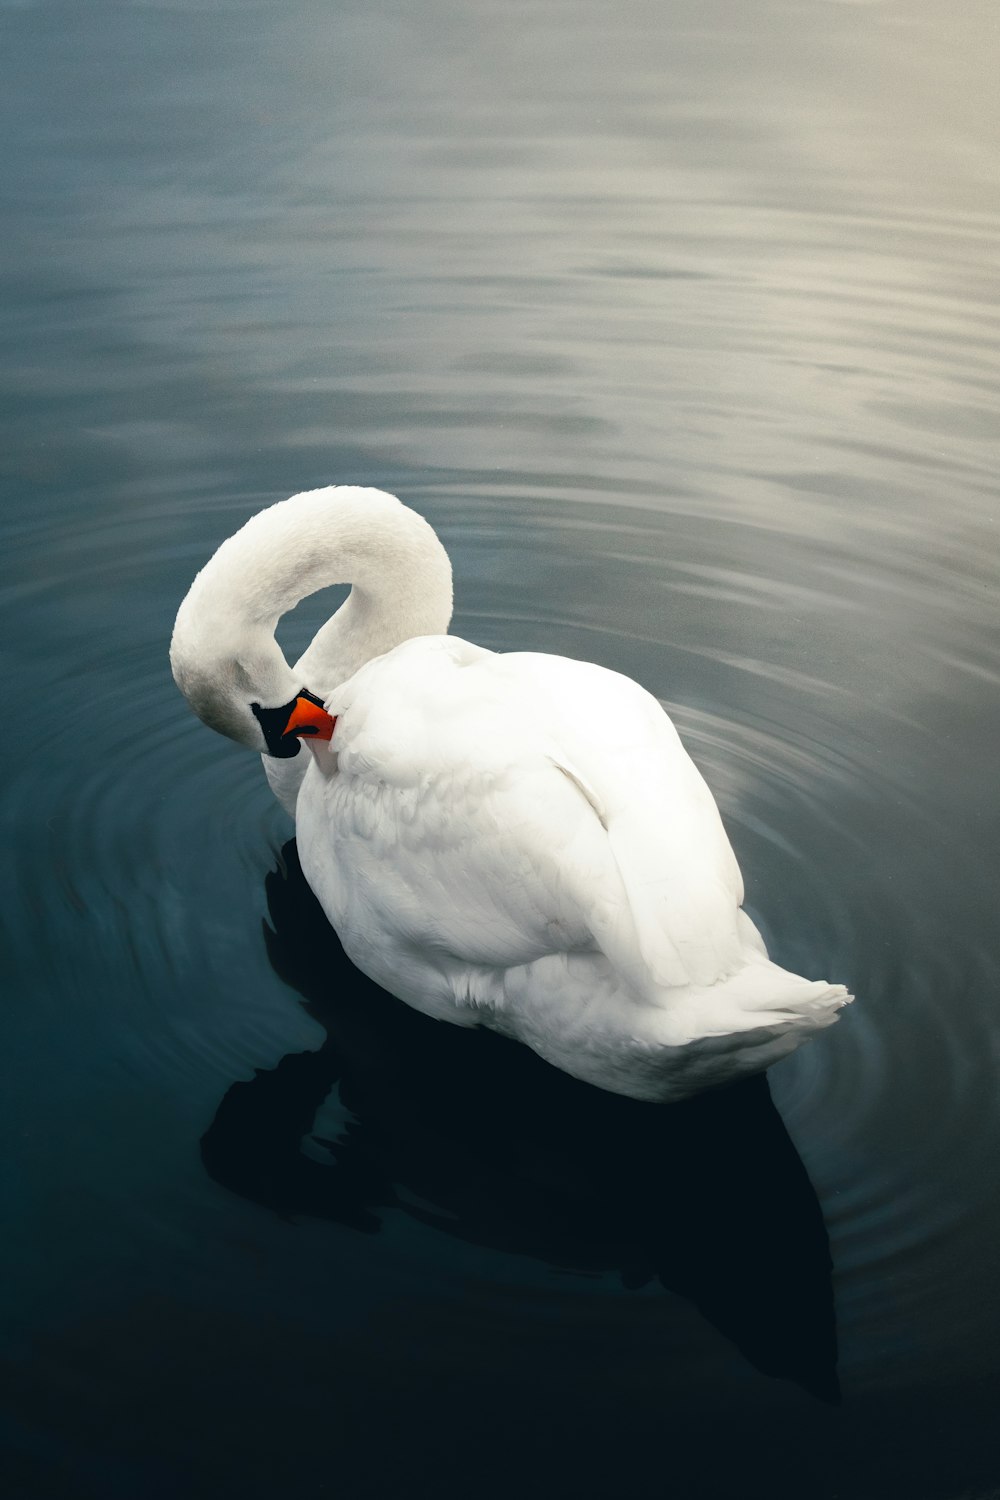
(476, 1136)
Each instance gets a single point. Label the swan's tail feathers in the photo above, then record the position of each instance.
(763, 998)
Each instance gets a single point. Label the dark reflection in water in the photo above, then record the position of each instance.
(479, 1138)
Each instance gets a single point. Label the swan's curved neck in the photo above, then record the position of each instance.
(223, 653)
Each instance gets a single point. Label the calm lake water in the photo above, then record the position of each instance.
(678, 320)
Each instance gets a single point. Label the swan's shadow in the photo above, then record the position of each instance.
(477, 1136)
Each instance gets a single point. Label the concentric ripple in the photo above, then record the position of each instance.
(157, 835)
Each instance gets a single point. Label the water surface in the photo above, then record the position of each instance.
(679, 322)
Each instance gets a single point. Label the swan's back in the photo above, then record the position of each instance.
(532, 783)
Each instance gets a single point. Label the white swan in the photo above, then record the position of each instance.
(515, 841)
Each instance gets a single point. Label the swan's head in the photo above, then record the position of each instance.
(243, 688)
(303, 718)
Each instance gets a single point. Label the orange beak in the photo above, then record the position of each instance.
(309, 720)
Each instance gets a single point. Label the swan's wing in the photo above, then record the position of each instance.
(466, 839)
(523, 804)
(683, 885)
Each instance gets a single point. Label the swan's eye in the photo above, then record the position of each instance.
(282, 727)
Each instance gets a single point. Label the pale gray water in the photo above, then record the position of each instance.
(679, 322)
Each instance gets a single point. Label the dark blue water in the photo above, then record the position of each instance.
(679, 322)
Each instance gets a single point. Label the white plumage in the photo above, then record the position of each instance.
(518, 841)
